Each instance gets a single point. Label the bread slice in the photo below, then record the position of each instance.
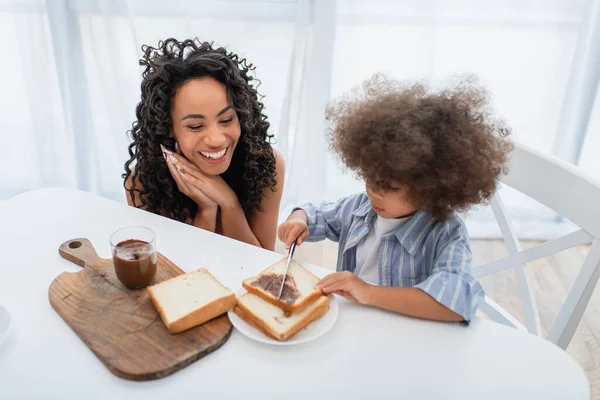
(273, 321)
(298, 291)
(191, 299)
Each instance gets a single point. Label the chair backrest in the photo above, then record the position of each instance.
(563, 188)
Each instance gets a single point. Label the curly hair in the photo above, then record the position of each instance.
(167, 66)
(444, 146)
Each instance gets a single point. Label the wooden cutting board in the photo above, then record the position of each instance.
(120, 325)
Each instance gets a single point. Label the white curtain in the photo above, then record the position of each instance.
(70, 79)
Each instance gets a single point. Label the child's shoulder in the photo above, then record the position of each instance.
(450, 229)
(357, 203)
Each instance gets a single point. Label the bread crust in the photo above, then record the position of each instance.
(199, 316)
(284, 305)
(252, 319)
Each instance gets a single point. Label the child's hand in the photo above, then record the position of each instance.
(347, 285)
(294, 228)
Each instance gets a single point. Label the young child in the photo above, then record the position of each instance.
(424, 156)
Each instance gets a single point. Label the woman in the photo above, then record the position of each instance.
(200, 152)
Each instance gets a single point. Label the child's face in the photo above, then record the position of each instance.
(393, 203)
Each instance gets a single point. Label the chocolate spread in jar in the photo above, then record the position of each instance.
(135, 263)
(271, 283)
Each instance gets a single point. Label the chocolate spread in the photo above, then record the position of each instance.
(271, 283)
(135, 263)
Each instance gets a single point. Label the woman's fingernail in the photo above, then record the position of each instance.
(181, 170)
(173, 158)
(164, 156)
(164, 149)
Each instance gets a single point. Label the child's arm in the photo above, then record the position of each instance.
(314, 223)
(411, 301)
(408, 301)
(449, 294)
(450, 282)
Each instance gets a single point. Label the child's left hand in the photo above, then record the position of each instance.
(347, 285)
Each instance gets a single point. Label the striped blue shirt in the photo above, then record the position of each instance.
(431, 255)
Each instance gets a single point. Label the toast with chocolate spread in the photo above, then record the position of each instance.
(298, 291)
(273, 321)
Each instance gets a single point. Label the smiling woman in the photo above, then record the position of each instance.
(200, 150)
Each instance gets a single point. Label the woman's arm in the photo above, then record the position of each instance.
(264, 223)
(262, 229)
(206, 218)
(258, 232)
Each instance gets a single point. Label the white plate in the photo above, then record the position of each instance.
(312, 331)
(4, 324)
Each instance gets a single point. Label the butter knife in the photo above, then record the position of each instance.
(287, 265)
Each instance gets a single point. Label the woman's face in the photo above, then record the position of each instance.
(205, 126)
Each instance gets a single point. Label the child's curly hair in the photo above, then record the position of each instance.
(445, 146)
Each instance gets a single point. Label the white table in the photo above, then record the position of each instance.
(368, 354)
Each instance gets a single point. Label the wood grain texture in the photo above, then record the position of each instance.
(120, 325)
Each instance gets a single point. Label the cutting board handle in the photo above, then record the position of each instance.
(79, 251)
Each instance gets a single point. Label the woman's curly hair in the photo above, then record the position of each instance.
(444, 146)
(168, 66)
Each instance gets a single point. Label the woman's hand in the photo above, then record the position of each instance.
(202, 200)
(207, 191)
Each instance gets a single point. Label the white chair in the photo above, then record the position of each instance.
(563, 188)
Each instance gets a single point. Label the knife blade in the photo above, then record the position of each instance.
(287, 265)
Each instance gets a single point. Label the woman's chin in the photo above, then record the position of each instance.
(212, 169)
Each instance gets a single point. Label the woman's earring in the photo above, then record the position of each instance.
(176, 147)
